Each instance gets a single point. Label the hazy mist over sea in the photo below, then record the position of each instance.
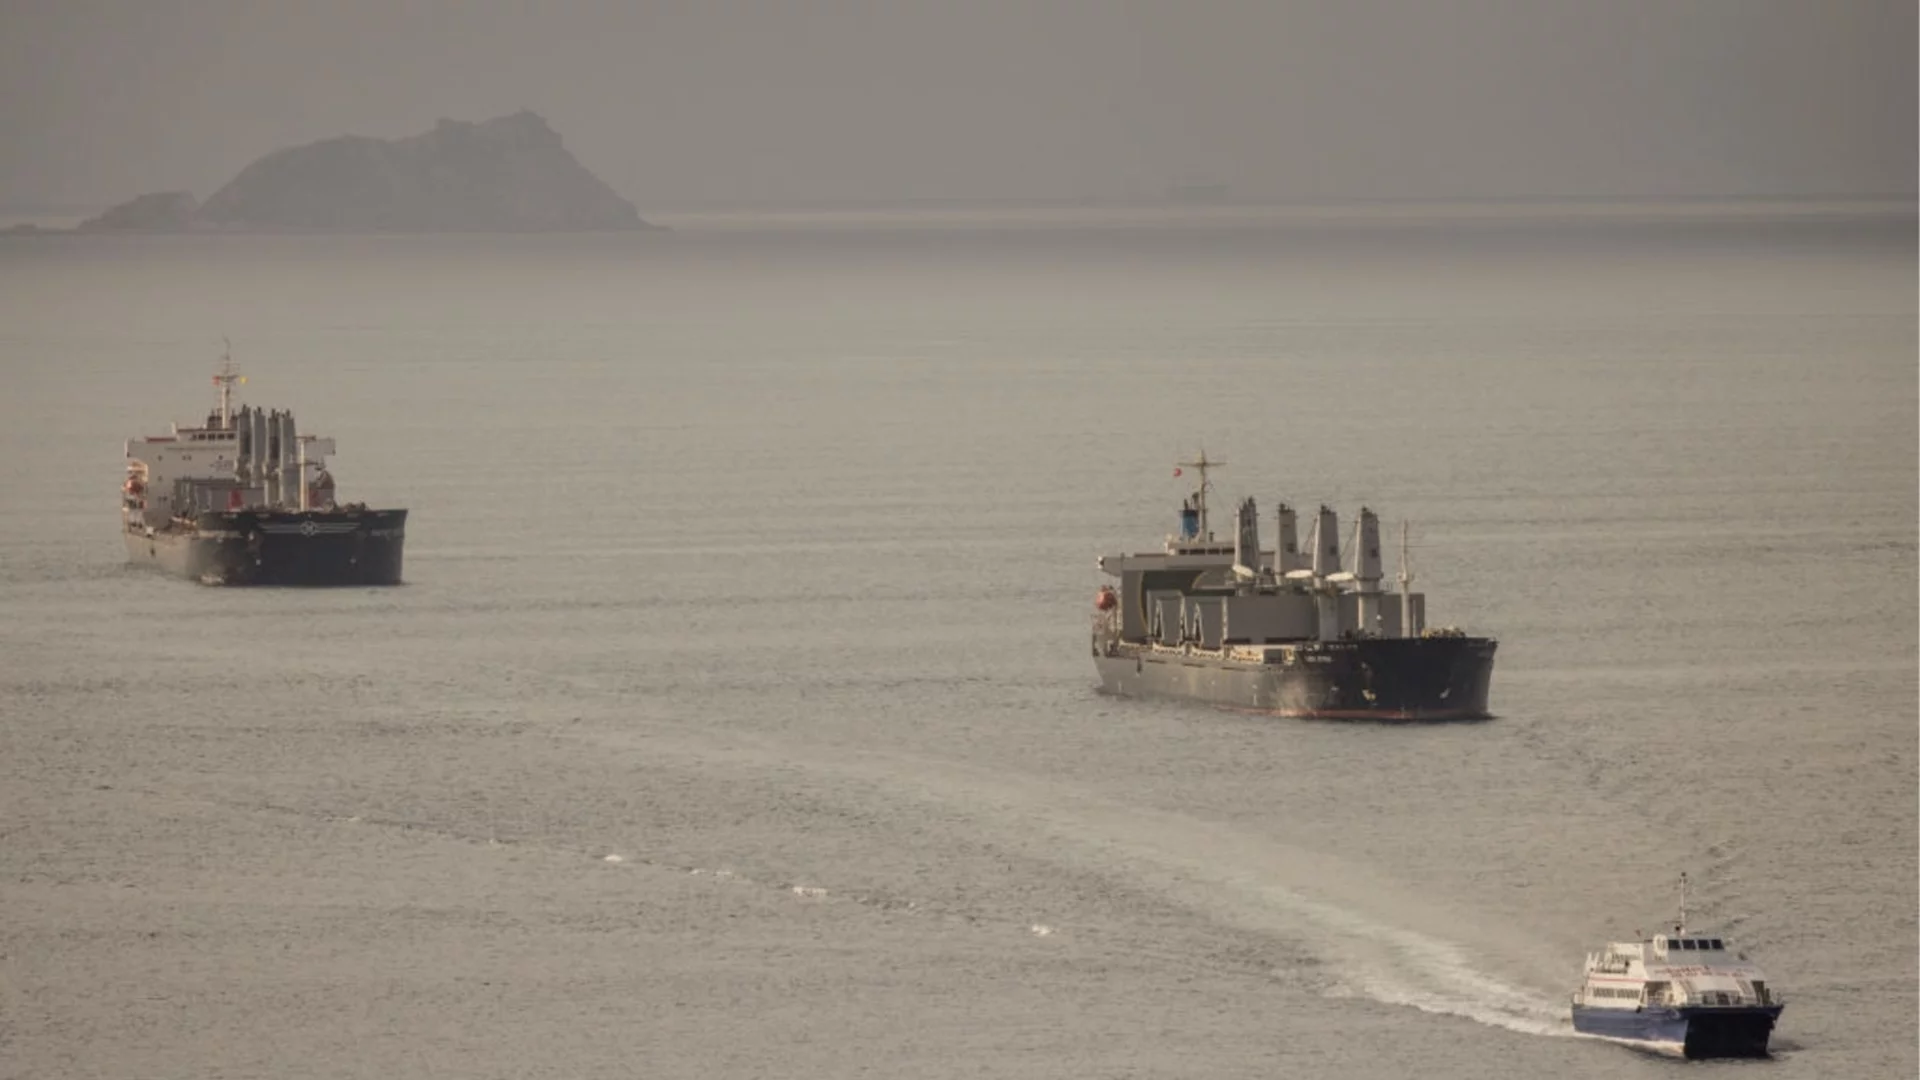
(737, 717)
(844, 103)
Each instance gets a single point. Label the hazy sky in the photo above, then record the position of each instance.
(707, 102)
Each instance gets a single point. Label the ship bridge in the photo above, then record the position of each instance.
(1199, 589)
(239, 459)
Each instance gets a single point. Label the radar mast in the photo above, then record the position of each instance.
(224, 379)
(1200, 497)
(1680, 927)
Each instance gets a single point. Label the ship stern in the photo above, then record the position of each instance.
(1730, 1032)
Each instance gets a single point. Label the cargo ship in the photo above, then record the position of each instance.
(246, 499)
(1281, 631)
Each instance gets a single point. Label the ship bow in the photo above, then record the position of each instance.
(305, 548)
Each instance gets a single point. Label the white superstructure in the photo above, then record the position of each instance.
(252, 458)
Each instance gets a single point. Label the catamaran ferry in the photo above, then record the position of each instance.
(1687, 991)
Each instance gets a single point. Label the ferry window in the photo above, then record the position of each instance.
(1686, 943)
(1717, 944)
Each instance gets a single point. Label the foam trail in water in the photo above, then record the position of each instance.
(1436, 976)
(1382, 942)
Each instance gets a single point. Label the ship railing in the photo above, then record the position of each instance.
(1186, 649)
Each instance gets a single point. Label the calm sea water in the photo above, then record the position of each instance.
(736, 718)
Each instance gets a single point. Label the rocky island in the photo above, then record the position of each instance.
(510, 174)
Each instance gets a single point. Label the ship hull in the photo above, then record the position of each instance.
(1440, 678)
(1709, 1032)
(266, 547)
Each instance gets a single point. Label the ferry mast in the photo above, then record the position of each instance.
(1680, 927)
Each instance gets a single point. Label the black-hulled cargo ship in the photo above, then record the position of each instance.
(1281, 631)
(247, 500)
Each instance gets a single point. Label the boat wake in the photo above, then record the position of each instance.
(1376, 938)
(1438, 977)
(1377, 941)
(1653, 1049)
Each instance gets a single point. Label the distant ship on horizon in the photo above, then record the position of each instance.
(246, 500)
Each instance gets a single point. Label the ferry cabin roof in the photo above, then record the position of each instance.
(1665, 945)
(1689, 944)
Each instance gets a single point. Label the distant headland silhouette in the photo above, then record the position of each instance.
(509, 174)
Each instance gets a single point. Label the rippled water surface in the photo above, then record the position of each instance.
(736, 717)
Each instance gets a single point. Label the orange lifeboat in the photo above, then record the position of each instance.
(1106, 599)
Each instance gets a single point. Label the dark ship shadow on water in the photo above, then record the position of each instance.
(1257, 716)
(1358, 721)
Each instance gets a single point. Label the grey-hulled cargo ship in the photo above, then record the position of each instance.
(1281, 631)
(247, 500)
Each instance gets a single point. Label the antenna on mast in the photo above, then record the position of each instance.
(1406, 575)
(1200, 501)
(1681, 926)
(1409, 625)
(224, 379)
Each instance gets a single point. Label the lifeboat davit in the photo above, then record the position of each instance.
(1106, 599)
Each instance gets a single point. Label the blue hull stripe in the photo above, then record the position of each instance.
(1642, 1025)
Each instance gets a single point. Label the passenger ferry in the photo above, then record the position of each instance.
(1687, 991)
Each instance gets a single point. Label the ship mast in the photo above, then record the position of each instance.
(1406, 578)
(1203, 464)
(1681, 926)
(1406, 575)
(224, 379)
